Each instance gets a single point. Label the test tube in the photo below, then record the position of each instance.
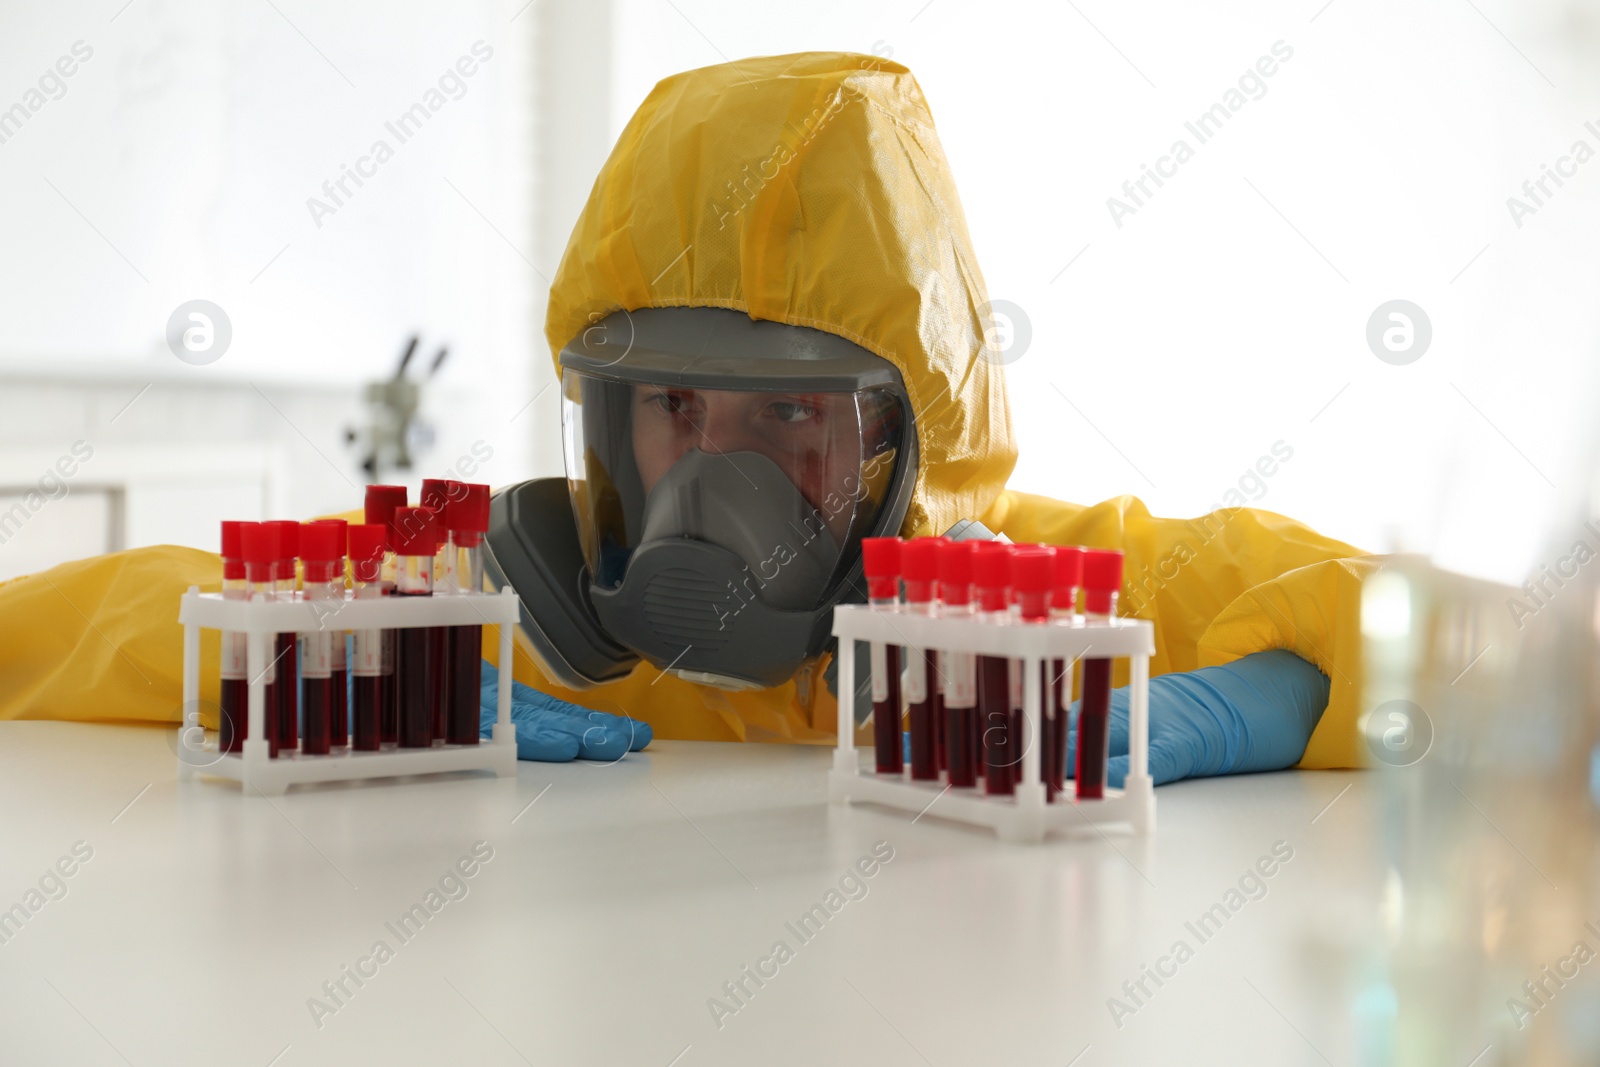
(366, 661)
(991, 579)
(415, 546)
(381, 503)
(258, 543)
(880, 562)
(936, 668)
(958, 669)
(286, 650)
(1102, 577)
(339, 711)
(1032, 578)
(435, 496)
(919, 565)
(322, 556)
(467, 515)
(233, 720)
(1063, 612)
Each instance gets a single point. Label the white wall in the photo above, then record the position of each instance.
(1227, 313)
(178, 163)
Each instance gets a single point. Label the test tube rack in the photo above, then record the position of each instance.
(1024, 816)
(259, 620)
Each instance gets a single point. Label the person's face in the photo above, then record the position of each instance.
(814, 438)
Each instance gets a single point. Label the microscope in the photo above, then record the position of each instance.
(394, 430)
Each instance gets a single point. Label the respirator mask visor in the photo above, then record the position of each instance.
(722, 472)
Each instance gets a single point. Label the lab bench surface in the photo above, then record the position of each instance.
(693, 904)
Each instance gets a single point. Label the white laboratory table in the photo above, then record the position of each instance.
(617, 900)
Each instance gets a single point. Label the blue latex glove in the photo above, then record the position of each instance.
(553, 731)
(1254, 714)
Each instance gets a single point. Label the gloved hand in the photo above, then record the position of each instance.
(553, 731)
(1254, 714)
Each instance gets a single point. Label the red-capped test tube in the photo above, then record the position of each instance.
(1102, 577)
(919, 566)
(233, 724)
(367, 680)
(381, 503)
(1032, 580)
(435, 496)
(941, 755)
(991, 580)
(258, 542)
(339, 713)
(958, 669)
(415, 546)
(880, 562)
(467, 515)
(1063, 612)
(287, 650)
(322, 557)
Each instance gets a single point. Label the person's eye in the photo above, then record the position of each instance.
(792, 410)
(671, 403)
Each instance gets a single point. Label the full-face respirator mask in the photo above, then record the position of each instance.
(720, 475)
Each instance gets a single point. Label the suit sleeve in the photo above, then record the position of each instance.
(98, 640)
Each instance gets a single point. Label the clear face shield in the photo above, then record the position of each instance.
(789, 482)
(722, 473)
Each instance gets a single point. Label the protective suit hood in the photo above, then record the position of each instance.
(811, 190)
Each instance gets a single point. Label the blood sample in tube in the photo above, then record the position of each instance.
(1102, 577)
(936, 670)
(287, 648)
(435, 496)
(467, 515)
(232, 719)
(958, 669)
(415, 547)
(919, 566)
(367, 679)
(258, 542)
(322, 557)
(1063, 612)
(381, 502)
(880, 562)
(339, 714)
(991, 579)
(1032, 577)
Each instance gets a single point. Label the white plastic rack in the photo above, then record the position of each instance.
(260, 619)
(1024, 816)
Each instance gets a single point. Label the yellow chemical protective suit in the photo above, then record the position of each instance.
(812, 190)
